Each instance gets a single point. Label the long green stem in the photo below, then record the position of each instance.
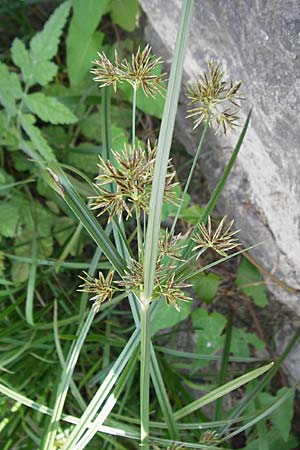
(188, 181)
(133, 116)
(145, 373)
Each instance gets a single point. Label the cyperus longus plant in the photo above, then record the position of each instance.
(156, 266)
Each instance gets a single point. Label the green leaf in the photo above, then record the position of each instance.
(206, 286)
(208, 329)
(166, 316)
(83, 41)
(49, 109)
(125, 14)
(282, 417)
(10, 89)
(44, 45)
(251, 283)
(40, 143)
(81, 51)
(191, 214)
(9, 219)
(222, 391)
(88, 13)
(241, 340)
(39, 72)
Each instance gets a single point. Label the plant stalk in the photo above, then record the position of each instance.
(188, 181)
(145, 372)
(133, 116)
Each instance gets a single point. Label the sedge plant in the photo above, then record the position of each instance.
(150, 265)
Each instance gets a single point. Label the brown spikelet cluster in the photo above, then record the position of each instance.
(214, 100)
(103, 288)
(221, 240)
(140, 72)
(131, 177)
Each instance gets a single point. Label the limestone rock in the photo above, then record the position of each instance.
(259, 43)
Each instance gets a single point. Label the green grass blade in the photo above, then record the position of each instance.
(162, 395)
(67, 418)
(86, 217)
(104, 390)
(31, 283)
(63, 387)
(109, 404)
(263, 415)
(202, 357)
(224, 367)
(266, 379)
(221, 391)
(163, 148)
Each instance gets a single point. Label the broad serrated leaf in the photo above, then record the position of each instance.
(40, 143)
(9, 219)
(251, 283)
(21, 58)
(81, 51)
(43, 46)
(33, 72)
(49, 109)
(125, 14)
(10, 89)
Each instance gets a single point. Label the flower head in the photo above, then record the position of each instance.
(209, 437)
(101, 286)
(221, 240)
(132, 177)
(214, 99)
(140, 72)
(107, 73)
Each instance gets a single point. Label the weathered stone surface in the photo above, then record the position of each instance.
(259, 43)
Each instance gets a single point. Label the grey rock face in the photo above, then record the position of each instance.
(259, 43)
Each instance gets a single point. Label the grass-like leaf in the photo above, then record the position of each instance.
(221, 391)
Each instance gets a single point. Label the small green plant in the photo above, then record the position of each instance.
(139, 260)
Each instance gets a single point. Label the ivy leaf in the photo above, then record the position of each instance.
(49, 109)
(10, 89)
(166, 316)
(206, 286)
(191, 214)
(251, 283)
(40, 143)
(9, 219)
(241, 340)
(44, 45)
(125, 14)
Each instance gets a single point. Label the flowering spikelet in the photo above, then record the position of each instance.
(173, 291)
(102, 287)
(222, 240)
(209, 437)
(171, 246)
(140, 72)
(107, 73)
(214, 98)
(132, 177)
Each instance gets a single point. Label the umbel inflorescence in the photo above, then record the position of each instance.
(124, 182)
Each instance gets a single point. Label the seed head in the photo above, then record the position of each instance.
(221, 240)
(173, 291)
(141, 72)
(215, 100)
(171, 246)
(209, 437)
(132, 177)
(102, 287)
(107, 74)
